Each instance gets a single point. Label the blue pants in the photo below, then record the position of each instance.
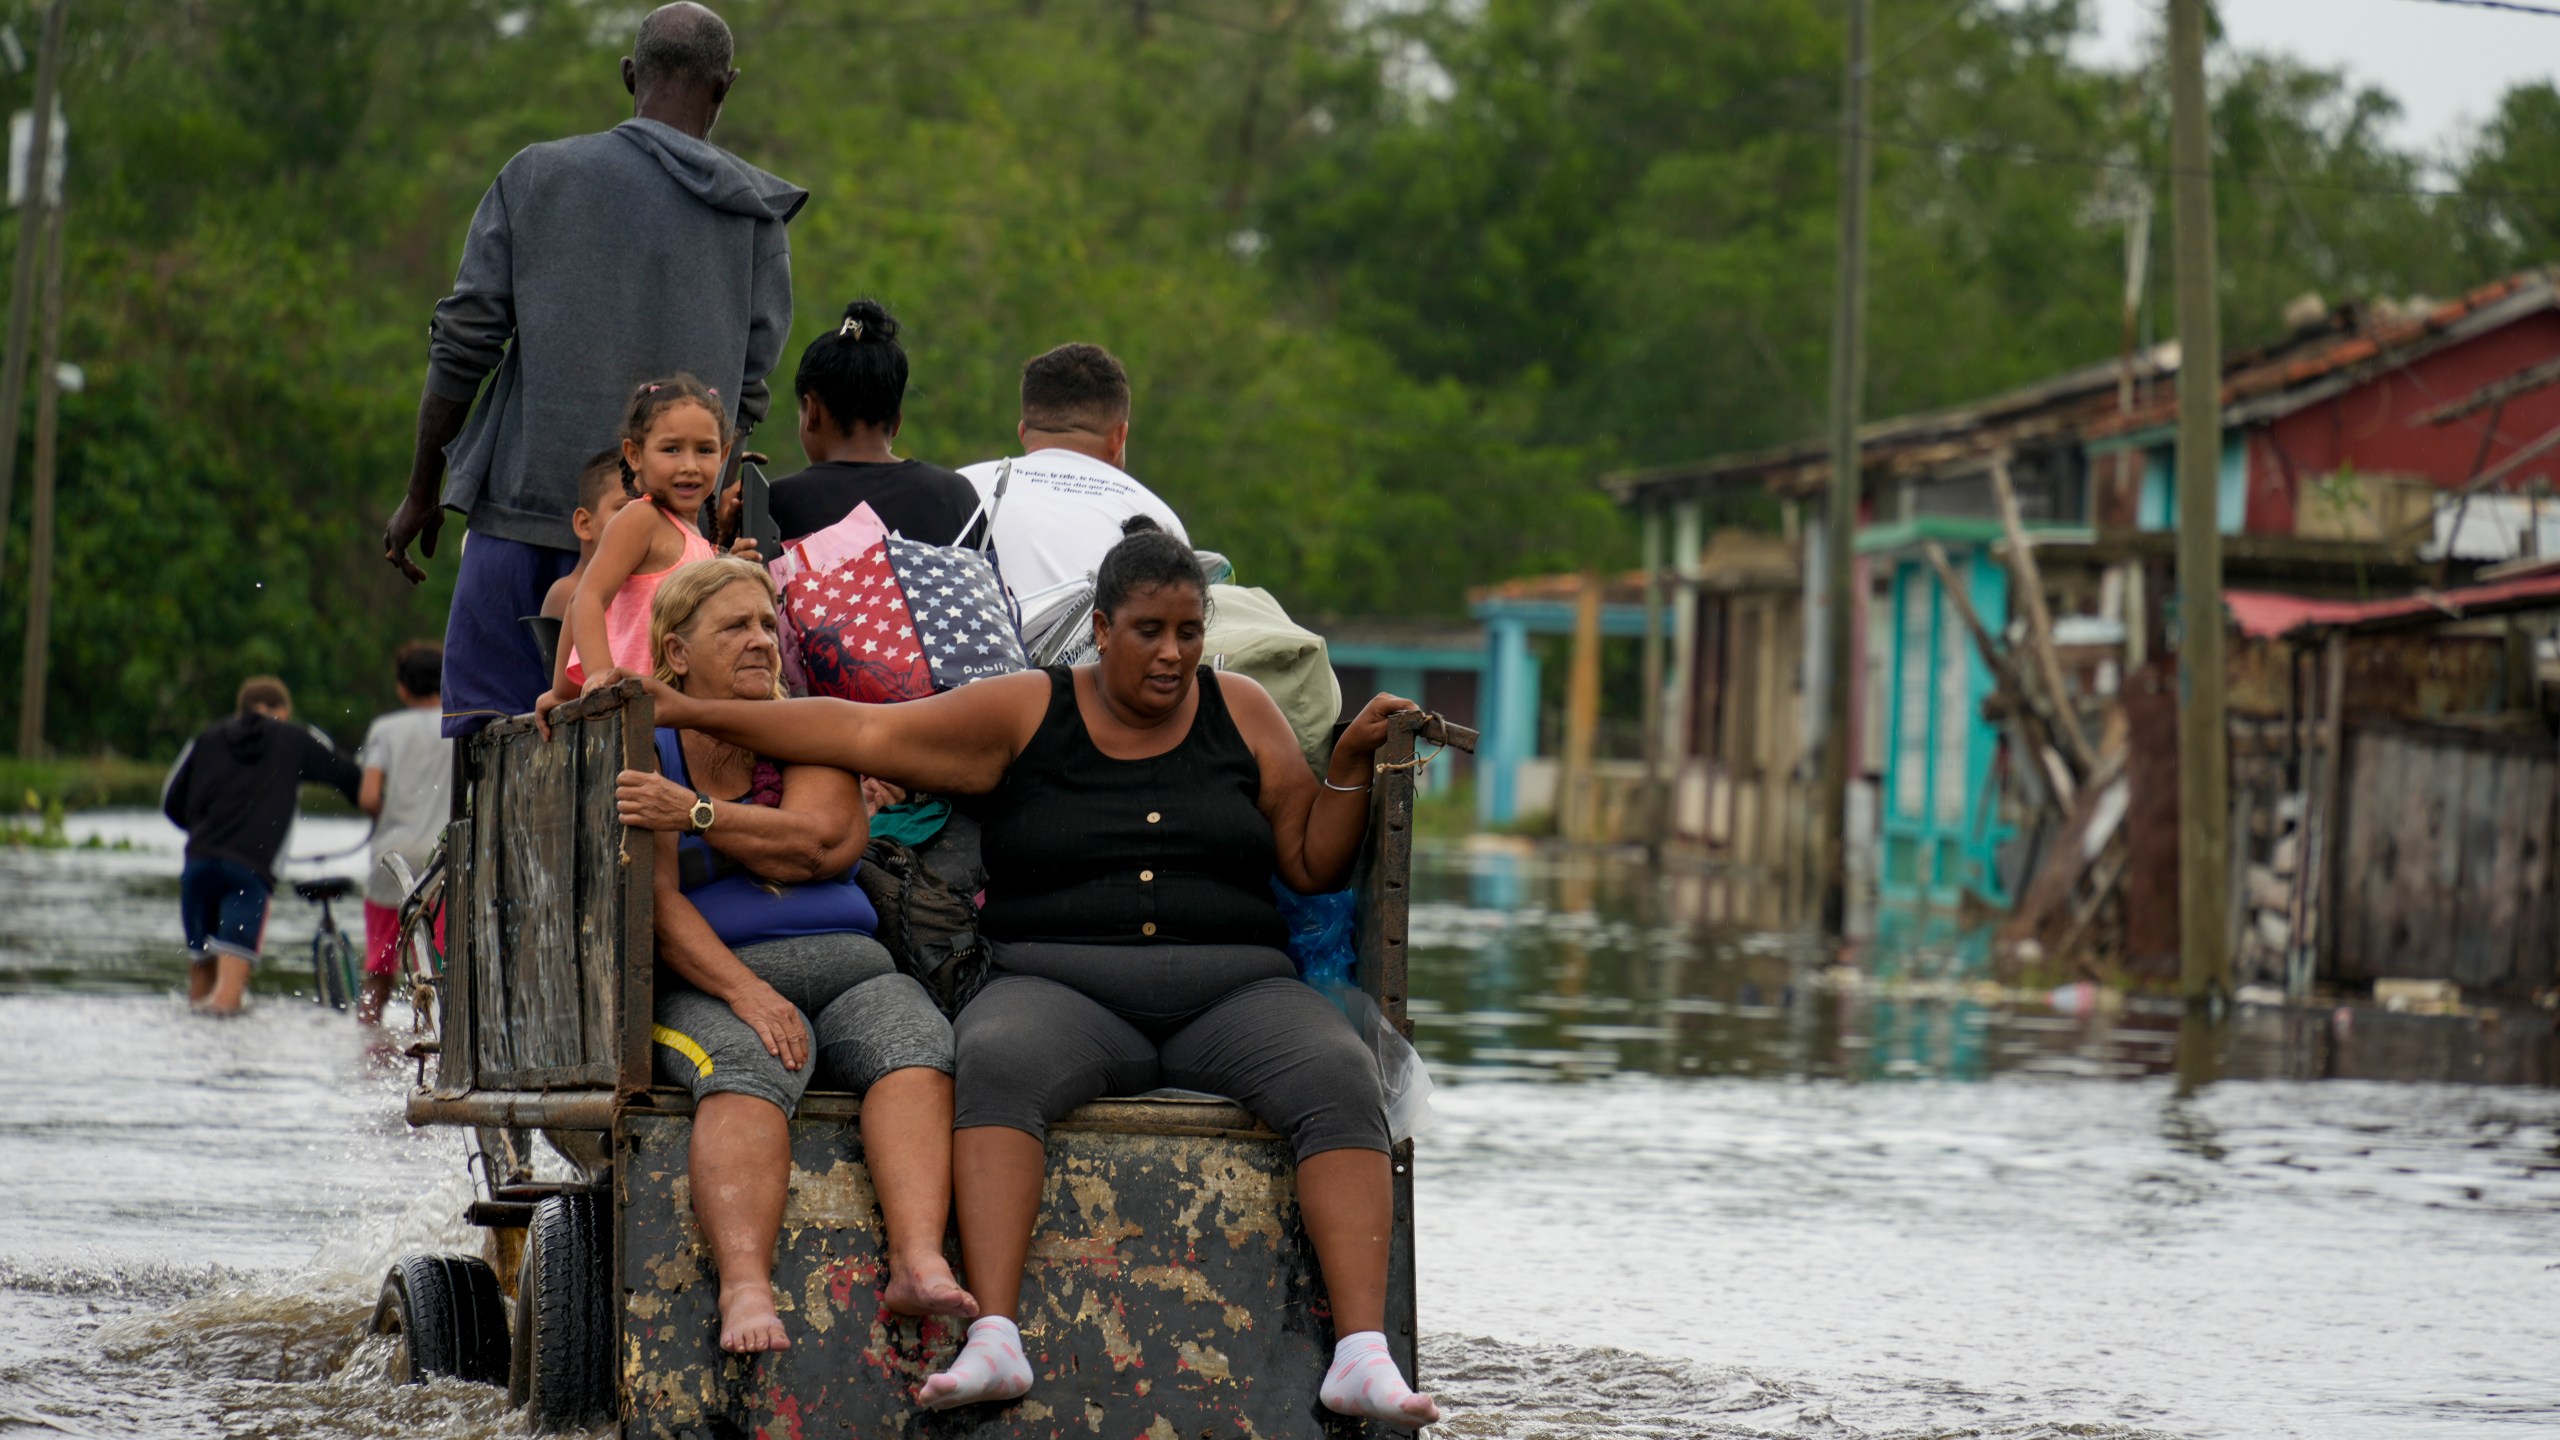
(223, 906)
(492, 668)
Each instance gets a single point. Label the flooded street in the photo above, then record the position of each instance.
(1685, 1182)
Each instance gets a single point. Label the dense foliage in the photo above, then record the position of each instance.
(1395, 280)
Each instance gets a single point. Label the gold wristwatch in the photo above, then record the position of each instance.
(702, 812)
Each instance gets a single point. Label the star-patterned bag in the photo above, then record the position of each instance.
(960, 610)
(894, 619)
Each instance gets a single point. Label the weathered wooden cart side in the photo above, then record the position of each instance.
(548, 894)
(1171, 1289)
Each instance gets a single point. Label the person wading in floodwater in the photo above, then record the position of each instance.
(233, 791)
(569, 291)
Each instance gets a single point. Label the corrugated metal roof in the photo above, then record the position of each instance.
(2268, 616)
(2350, 345)
(2292, 377)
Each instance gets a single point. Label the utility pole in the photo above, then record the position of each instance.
(1657, 811)
(38, 655)
(2204, 809)
(1848, 374)
(32, 231)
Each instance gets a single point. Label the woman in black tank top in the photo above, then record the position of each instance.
(1071, 831)
(1135, 812)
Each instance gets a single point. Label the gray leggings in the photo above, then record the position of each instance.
(871, 1020)
(1063, 1024)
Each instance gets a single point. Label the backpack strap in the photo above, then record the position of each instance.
(993, 503)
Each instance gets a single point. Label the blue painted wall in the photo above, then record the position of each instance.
(2159, 508)
(1940, 826)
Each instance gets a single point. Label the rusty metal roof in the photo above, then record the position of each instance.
(1917, 443)
(2361, 343)
(2267, 616)
(2349, 345)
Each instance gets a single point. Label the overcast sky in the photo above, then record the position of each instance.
(2447, 65)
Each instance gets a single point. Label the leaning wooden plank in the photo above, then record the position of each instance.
(2062, 784)
(2028, 583)
(2105, 878)
(2084, 837)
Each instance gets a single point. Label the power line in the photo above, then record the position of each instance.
(2513, 7)
(2000, 147)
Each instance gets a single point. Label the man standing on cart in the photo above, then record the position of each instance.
(592, 263)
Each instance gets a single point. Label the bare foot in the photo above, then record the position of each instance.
(230, 987)
(748, 1323)
(927, 1287)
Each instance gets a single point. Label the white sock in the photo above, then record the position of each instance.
(989, 1367)
(1364, 1381)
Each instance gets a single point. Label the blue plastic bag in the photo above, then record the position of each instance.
(1323, 946)
(1320, 935)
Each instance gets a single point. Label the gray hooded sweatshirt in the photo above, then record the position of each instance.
(593, 264)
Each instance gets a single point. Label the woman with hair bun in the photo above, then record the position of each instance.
(1135, 813)
(852, 385)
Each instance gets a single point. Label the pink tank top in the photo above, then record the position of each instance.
(626, 616)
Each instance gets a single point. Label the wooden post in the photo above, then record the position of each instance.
(1848, 369)
(1579, 804)
(1656, 810)
(1680, 692)
(2204, 803)
(22, 288)
(2312, 862)
(39, 646)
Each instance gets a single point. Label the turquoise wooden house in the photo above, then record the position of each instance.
(1938, 822)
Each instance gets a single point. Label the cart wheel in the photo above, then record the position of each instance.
(450, 1316)
(563, 1372)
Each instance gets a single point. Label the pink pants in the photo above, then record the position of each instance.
(382, 938)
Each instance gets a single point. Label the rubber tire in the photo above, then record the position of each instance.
(564, 1330)
(451, 1318)
(330, 952)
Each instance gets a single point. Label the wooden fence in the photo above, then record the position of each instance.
(2444, 867)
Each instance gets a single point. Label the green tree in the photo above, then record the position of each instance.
(2514, 168)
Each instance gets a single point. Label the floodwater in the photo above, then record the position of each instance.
(1687, 1180)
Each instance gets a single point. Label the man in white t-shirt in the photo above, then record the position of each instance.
(1067, 495)
(406, 762)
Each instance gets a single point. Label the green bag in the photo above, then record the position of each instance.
(1251, 635)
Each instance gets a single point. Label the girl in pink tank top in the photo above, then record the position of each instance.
(675, 438)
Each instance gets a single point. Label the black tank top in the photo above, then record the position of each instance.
(1171, 849)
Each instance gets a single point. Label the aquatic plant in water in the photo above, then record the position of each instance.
(42, 828)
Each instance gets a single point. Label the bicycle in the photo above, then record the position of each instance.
(501, 1157)
(336, 964)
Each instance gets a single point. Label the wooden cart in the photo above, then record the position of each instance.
(1171, 1289)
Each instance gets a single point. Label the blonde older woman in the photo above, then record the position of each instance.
(769, 975)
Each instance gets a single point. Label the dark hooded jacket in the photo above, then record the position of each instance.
(236, 786)
(593, 264)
